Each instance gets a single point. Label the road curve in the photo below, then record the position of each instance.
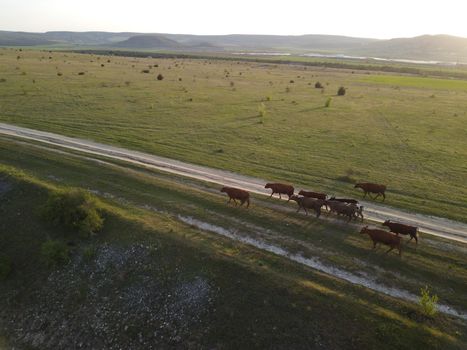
(432, 225)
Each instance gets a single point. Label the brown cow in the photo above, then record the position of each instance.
(308, 203)
(236, 193)
(403, 229)
(281, 189)
(349, 210)
(384, 237)
(310, 194)
(368, 187)
(344, 200)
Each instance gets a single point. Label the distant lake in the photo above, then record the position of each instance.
(347, 57)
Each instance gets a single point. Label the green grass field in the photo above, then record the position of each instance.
(406, 132)
(260, 300)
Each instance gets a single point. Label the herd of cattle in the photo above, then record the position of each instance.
(346, 207)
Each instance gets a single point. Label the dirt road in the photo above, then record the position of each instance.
(437, 226)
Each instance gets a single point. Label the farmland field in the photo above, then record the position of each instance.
(408, 132)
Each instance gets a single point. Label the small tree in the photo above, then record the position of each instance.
(327, 104)
(341, 91)
(74, 209)
(160, 77)
(318, 85)
(428, 303)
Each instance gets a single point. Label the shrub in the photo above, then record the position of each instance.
(145, 71)
(291, 82)
(74, 209)
(262, 110)
(428, 303)
(5, 267)
(59, 74)
(318, 85)
(2, 80)
(55, 252)
(81, 73)
(341, 91)
(327, 104)
(160, 77)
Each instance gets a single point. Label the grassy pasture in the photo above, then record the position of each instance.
(261, 301)
(407, 132)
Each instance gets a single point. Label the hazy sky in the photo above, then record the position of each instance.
(363, 18)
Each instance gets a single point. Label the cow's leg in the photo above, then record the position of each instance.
(235, 202)
(242, 202)
(299, 207)
(391, 249)
(289, 198)
(374, 245)
(271, 194)
(230, 198)
(384, 196)
(280, 196)
(306, 211)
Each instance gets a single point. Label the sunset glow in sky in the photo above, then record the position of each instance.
(362, 18)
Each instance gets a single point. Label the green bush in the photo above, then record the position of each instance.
(5, 267)
(428, 303)
(73, 209)
(341, 91)
(55, 252)
(327, 104)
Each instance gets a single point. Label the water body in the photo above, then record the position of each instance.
(348, 57)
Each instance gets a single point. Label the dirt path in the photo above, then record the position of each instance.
(437, 226)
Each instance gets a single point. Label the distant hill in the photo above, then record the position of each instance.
(271, 42)
(23, 39)
(87, 38)
(426, 47)
(148, 41)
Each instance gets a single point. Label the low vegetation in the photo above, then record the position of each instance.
(74, 209)
(54, 253)
(428, 302)
(5, 267)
